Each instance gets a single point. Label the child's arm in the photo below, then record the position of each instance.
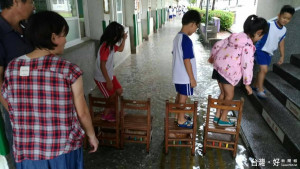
(281, 50)
(247, 62)
(189, 70)
(109, 84)
(121, 47)
(83, 113)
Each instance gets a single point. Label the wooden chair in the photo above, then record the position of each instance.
(177, 136)
(220, 137)
(136, 127)
(108, 133)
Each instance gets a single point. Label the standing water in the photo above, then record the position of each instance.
(148, 74)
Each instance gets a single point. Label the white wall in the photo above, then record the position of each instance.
(270, 8)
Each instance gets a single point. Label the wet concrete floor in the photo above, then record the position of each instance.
(148, 75)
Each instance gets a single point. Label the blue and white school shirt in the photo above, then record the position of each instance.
(182, 49)
(269, 42)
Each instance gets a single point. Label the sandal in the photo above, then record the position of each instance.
(111, 117)
(187, 117)
(226, 123)
(216, 119)
(187, 124)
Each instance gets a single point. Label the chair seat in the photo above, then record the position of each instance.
(103, 123)
(136, 122)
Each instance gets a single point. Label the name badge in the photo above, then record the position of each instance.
(24, 71)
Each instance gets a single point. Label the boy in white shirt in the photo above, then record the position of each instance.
(268, 44)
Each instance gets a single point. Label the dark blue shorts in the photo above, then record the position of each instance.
(184, 89)
(262, 57)
(73, 160)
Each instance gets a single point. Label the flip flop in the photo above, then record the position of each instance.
(187, 124)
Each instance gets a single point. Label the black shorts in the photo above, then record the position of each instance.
(219, 78)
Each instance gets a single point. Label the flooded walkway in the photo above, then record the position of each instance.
(148, 74)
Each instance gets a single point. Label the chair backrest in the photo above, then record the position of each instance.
(181, 108)
(235, 105)
(136, 105)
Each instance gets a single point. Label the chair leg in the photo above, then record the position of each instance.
(122, 140)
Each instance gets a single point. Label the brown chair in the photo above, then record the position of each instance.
(177, 136)
(137, 125)
(220, 137)
(108, 133)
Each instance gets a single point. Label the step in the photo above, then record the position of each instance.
(295, 59)
(284, 92)
(258, 137)
(285, 126)
(288, 72)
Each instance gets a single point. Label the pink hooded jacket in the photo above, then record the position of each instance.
(233, 58)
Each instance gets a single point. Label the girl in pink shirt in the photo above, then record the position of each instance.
(232, 59)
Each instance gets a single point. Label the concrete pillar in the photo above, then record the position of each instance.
(154, 14)
(145, 19)
(159, 11)
(96, 16)
(130, 17)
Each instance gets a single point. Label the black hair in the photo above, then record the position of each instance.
(191, 16)
(112, 34)
(287, 8)
(41, 26)
(254, 23)
(6, 4)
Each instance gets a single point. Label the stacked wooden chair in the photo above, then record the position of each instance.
(219, 137)
(177, 136)
(108, 133)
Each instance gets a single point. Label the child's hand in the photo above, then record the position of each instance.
(125, 35)
(193, 83)
(210, 60)
(109, 85)
(280, 61)
(249, 89)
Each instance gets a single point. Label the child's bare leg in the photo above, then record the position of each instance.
(229, 94)
(221, 97)
(263, 69)
(119, 91)
(182, 100)
(110, 104)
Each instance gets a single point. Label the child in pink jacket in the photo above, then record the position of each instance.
(232, 59)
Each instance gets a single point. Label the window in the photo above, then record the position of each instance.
(119, 12)
(72, 11)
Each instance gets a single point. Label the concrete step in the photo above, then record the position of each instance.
(259, 138)
(284, 92)
(295, 60)
(285, 126)
(288, 72)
